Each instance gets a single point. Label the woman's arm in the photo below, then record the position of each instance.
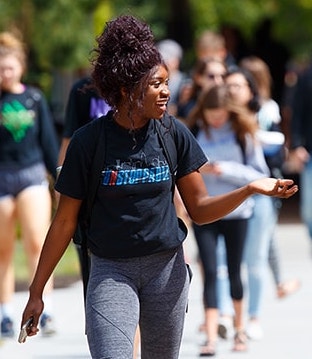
(205, 209)
(57, 240)
(63, 148)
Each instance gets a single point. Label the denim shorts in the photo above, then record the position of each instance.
(16, 180)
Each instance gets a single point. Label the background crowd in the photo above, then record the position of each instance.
(255, 81)
(250, 121)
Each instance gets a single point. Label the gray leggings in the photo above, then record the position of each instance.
(150, 290)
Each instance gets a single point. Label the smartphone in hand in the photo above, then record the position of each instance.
(24, 331)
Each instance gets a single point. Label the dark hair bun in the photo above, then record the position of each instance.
(126, 53)
(131, 36)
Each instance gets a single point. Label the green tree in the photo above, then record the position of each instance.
(57, 33)
(60, 33)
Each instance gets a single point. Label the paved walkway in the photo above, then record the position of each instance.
(287, 323)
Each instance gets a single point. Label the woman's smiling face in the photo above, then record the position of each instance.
(157, 94)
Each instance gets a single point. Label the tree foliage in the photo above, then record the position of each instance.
(60, 33)
(57, 33)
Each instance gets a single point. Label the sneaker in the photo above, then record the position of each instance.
(47, 325)
(254, 330)
(7, 328)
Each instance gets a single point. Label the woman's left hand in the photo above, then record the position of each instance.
(282, 188)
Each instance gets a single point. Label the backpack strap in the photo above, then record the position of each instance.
(243, 149)
(166, 131)
(80, 236)
(96, 168)
(34, 93)
(95, 172)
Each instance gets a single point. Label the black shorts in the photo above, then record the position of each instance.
(14, 181)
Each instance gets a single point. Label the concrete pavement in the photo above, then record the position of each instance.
(287, 323)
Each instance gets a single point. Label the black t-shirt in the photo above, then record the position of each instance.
(133, 212)
(83, 106)
(27, 135)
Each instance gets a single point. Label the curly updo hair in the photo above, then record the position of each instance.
(125, 58)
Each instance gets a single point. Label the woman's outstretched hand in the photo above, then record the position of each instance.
(282, 188)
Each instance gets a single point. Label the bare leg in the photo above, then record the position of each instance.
(211, 322)
(240, 337)
(7, 239)
(34, 208)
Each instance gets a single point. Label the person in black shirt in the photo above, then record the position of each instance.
(28, 150)
(138, 271)
(83, 105)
